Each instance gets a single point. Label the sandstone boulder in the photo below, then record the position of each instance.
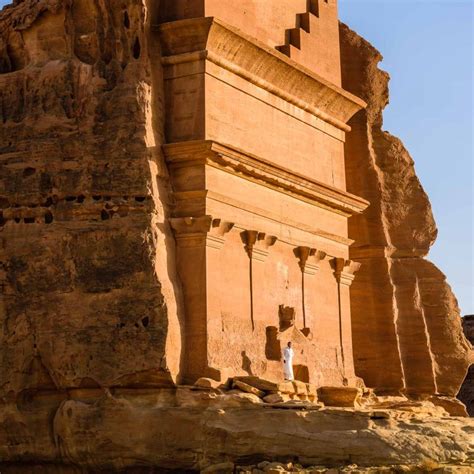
(300, 387)
(339, 396)
(205, 382)
(248, 388)
(276, 398)
(452, 405)
(259, 383)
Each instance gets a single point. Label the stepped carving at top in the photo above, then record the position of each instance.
(186, 186)
(314, 41)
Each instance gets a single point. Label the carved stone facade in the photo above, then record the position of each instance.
(284, 197)
(186, 186)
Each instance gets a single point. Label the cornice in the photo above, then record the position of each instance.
(228, 47)
(253, 168)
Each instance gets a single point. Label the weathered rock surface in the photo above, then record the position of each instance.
(188, 429)
(83, 201)
(406, 325)
(91, 310)
(466, 394)
(339, 396)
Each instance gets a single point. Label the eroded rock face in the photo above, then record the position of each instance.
(466, 394)
(82, 200)
(185, 429)
(405, 319)
(92, 319)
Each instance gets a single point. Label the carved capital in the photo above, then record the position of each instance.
(193, 231)
(216, 236)
(309, 258)
(344, 270)
(257, 244)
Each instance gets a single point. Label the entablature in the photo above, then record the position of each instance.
(253, 168)
(211, 39)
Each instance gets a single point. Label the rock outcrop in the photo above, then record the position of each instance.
(466, 394)
(92, 314)
(406, 324)
(190, 430)
(83, 197)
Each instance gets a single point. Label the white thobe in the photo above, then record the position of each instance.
(288, 363)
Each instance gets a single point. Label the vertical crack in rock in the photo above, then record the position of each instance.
(420, 307)
(403, 311)
(396, 323)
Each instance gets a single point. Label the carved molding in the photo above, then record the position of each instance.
(210, 39)
(216, 236)
(344, 270)
(259, 170)
(309, 258)
(195, 231)
(257, 244)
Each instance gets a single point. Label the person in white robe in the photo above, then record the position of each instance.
(288, 362)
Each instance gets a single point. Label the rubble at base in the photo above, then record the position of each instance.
(299, 394)
(267, 467)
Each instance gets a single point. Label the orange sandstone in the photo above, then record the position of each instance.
(186, 186)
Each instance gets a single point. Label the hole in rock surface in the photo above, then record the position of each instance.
(126, 20)
(272, 344)
(145, 321)
(136, 48)
(48, 218)
(301, 373)
(29, 220)
(28, 172)
(246, 363)
(104, 215)
(48, 202)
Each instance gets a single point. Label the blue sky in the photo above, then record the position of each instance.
(427, 49)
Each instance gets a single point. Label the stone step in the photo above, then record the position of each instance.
(266, 385)
(245, 387)
(339, 396)
(307, 21)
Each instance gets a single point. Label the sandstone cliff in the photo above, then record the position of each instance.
(90, 311)
(466, 394)
(405, 319)
(83, 200)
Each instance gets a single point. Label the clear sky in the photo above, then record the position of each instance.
(428, 50)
